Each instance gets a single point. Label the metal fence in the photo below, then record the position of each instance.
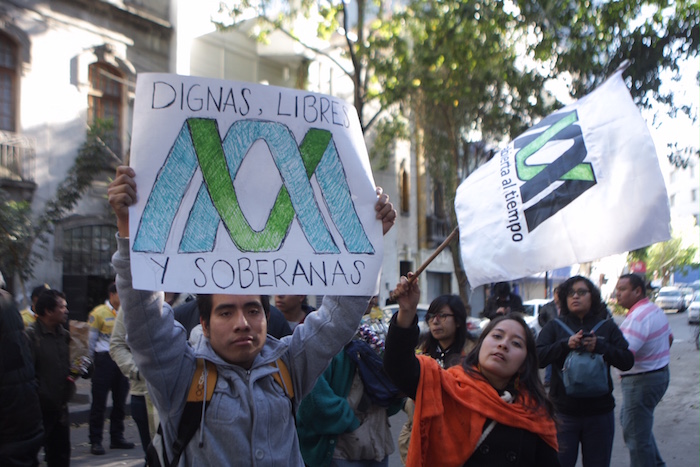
(17, 157)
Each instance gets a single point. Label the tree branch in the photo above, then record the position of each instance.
(307, 46)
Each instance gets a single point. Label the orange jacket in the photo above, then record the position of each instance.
(451, 409)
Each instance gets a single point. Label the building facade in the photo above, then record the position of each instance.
(65, 64)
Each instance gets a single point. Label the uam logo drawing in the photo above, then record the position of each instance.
(198, 145)
(568, 168)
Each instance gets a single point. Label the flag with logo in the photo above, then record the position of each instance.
(582, 184)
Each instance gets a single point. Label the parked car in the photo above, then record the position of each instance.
(694, 310)
(532, 312)
(670, 298)
(688, 294)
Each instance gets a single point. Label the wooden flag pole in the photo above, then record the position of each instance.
(437, 251)
(425, 264)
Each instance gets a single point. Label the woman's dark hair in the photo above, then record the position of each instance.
(204, 303)
(48, 299)
(455, 303)
(598, 308)
(529, 377)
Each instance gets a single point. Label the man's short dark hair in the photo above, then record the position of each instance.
(48, 300)
(37, 290)
(635, 281)
(204, 303)
(112, 288)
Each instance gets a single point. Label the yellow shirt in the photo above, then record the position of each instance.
(101, 320)
(28, 316)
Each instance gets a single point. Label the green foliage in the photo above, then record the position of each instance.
(16, 232)
(388, 130)
(19, 232)
(641, 254)
(668, 257)
(470, 74)
(665, 258)
(331, 18)
(591, 39)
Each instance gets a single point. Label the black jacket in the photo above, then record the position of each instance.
(553, 347)
(547, 313)
(51, 356)
(21, 426)
(512, 301)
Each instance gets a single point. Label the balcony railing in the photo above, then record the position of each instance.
(438, 230)
(17, 157)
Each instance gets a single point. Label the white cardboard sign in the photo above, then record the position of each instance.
(247, 189)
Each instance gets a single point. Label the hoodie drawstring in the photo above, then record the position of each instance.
(204, 406)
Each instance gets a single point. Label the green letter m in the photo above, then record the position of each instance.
(577, 176)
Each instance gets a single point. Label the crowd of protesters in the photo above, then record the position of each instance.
(279, 386)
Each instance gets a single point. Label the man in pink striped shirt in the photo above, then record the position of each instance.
(649, 336)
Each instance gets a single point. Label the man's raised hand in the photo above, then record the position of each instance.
(385, 210)
(122, 194)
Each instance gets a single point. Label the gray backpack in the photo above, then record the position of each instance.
(585, 374)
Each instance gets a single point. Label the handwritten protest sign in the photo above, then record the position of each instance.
(246, 189)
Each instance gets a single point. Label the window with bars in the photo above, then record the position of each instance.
(8, 83)
(87, 250)
(105, 100)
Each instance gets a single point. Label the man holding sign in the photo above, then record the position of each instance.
(249, 419)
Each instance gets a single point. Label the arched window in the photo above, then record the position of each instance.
(405, 189)
(439, 201)
(106, 100)
(8, 83)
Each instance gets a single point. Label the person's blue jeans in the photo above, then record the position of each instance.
(595, 433)
(366, 463)
(640, 395)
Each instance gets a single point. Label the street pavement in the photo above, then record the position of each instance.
(676, 424)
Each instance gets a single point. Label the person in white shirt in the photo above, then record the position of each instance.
(649, 335)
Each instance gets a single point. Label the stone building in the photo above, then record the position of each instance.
(65, 63)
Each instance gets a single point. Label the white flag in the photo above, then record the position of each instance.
(582, 184)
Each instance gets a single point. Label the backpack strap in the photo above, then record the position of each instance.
(568, 329)
(283, 378)
(564, 326)
(197, 386)
(600, 323)
(201, 391)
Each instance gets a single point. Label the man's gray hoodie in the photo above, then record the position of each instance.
(249, 421)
